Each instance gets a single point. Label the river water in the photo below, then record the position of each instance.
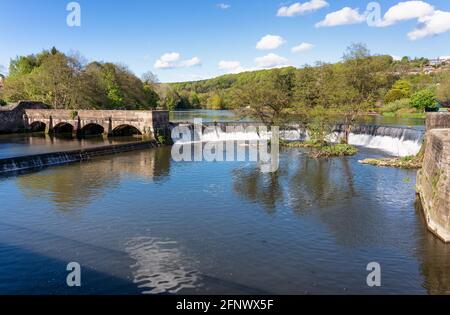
(141, 223)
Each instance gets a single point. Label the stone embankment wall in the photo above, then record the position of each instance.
(11, 117)
(433, 180)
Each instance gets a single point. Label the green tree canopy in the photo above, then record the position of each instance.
(424, 100)
(64, 81)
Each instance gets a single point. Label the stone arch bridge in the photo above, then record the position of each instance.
(107, 122)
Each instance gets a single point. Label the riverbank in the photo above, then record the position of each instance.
(22, 163)
(407, 162)
(404, 115)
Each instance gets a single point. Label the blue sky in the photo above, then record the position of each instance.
(204, 38)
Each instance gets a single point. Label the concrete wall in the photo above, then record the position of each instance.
(433, 180)
(11, 117)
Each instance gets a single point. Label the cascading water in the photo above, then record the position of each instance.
(396, 141)
(235, 131)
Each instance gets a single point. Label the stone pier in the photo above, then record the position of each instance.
(11, 116)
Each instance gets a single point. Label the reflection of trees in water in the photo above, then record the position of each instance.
(161, 166)
(71, 186)
(299, 183)
(434, 256)
(76, 185)
(258, 187)
(320, 182)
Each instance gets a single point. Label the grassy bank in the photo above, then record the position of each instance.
(405, 115)
(409, 162)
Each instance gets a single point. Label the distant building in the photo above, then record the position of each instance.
(439, 61)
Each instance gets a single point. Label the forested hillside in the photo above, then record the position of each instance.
(402, 79)
(360, 81)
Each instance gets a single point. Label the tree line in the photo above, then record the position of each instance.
(69, 82)
(360, 82)
(372, 78)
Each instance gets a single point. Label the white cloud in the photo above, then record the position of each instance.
(173, 60)
(230, 66)
(444, 57)
(191, 62)
(167, 61)
(270, 42)
(301, 8)
(223, 6)
(271, 61)
(344, 16)
(396, 58)
(437, 23)
(302, 47)
(407, 10)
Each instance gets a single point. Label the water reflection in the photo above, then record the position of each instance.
(28, 144)
(321, 222)
(435, 259)
(299, 183)
(76, 185)
(258, 187)
(160, 266)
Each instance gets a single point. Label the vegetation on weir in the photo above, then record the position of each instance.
(322, 150)
(335, 150)
(408, 162)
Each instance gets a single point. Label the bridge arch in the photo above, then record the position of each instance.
(126, 130)
(37, 126)
(63, 127)
(92, 129)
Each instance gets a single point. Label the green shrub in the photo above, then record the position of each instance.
(336, 150)
(407, 158)
(300, 144)
(3, 103)
(73, 114)
(164, 140)
(400, 90)
(424, 100)
(396, 105)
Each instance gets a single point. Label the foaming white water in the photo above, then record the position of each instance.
(394, 146)
(395, 141)
(216, 134)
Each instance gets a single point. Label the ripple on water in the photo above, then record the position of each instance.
(160, 266)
